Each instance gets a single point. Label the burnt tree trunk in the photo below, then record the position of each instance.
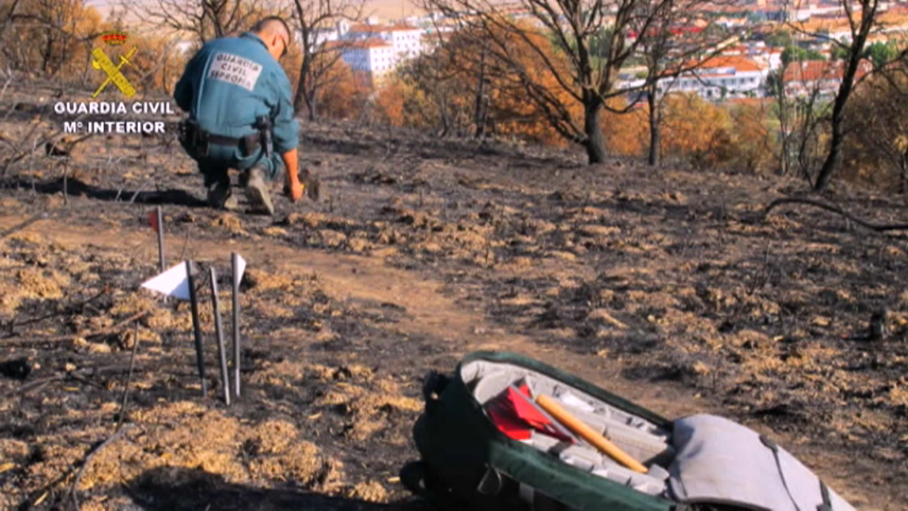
(312, 104)
(655, 128)
(479, 121)
(868, 15)
(305, 89)
(835, 143)
(903, 164)
(592, 128)
(47, 54)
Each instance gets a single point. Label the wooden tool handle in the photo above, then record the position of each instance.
(589, 434)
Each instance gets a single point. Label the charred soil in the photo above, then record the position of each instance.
(668, 287)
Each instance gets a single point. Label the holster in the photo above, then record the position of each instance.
(198, 141)
(193, 138)
(263, 124)
(250, 144)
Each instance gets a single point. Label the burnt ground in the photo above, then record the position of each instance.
(668, 287)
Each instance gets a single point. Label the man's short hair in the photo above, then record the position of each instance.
(270, 22)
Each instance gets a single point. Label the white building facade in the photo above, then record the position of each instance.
(719, 78)
(405, 40)
(373, 48)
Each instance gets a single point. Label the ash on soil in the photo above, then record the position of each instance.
(665, 286)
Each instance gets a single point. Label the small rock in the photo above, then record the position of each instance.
(603, 315)
(358, 244)
(678, 197)
(522, 262)
(274, 231)
(311, 219)
(332, 239)
(430, 247)
(700, 369)
(99, 348)
(820, 321)
(594, 231)
(751, 339)
(230, 222)
(385, 252)
(564, 256)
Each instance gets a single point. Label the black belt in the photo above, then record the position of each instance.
(248, 144)
(199, 140)
(222, 140)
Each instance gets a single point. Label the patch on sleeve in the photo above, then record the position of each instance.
(234, 69)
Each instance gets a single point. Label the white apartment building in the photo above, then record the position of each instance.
(405, 40)
(373, 55)
(719, 78)
(372, 48)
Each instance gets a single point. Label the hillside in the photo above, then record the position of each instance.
(668, 287)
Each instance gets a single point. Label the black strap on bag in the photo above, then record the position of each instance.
(774, 447)
(827, 501)
(491, 483)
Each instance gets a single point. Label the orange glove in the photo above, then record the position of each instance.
(294, 189)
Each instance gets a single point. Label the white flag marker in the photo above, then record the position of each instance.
(172, 282)
(240, 268)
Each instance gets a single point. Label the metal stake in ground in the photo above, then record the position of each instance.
(219, 331)
(196, 327)
(235, 263)
(160, 229)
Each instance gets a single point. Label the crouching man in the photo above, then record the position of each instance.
(241, 115)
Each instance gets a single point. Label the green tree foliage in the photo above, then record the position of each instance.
(881, 53)
(780, 39)
(798, 54)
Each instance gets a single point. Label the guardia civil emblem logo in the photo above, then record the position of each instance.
(102, 62)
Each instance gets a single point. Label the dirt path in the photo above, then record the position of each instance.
(349, 277)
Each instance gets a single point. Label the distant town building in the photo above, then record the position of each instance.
(822, 77)
(372, 48)
(405, 39)
(722, 77)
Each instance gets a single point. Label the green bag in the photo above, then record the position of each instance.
(467, 463)
(700, 462)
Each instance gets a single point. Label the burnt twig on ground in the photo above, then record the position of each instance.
(60, 338)
(835, 209)
(80, 374)
(69, 309)
(23, 225)
(132, 364)
(73, 490)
